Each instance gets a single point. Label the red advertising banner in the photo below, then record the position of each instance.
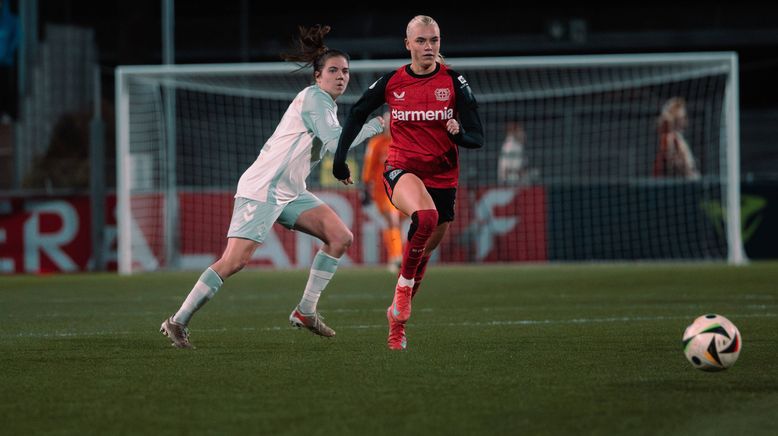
(497, 225)
(52, 234)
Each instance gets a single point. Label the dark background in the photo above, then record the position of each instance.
(245, 31)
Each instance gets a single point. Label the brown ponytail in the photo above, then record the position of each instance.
(309, 48)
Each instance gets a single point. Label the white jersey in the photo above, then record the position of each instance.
(308, 129)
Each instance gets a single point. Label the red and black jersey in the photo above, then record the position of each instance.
(420, 106)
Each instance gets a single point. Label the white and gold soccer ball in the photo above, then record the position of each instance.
(712, 343)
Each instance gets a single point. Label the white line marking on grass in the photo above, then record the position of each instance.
(567, 321)
(65, 334)
(496, 323)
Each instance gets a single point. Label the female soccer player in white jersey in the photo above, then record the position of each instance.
(273, 189)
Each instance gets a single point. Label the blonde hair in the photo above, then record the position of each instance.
(671, 106)
(420, 19)
(424, 20)
(669, 114)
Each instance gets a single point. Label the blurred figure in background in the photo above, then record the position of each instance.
(372, 177)
(674, 157)
(512, 166)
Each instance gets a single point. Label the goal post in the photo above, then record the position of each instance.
(579, 162)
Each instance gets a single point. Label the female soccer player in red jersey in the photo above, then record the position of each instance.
(432, 111)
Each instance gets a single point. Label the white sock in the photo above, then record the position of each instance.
(402, 281)
(322, 270)
(205, 288)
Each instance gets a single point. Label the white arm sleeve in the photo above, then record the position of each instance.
(370, 128)
(319, 115)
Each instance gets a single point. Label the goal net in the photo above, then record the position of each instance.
(587, 158)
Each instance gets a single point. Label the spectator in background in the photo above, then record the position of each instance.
(674, 157)
(512, 168)
(373, 179)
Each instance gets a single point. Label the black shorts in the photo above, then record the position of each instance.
(444, 198)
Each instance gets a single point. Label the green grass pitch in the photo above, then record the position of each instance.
(523, 349)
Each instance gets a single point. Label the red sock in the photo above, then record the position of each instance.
(423, 223)
(419, 274)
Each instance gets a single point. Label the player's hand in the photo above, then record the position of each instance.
(452, 126)
(342, 172)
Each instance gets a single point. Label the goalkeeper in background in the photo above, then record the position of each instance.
(273, 190)
(433, 113)
(372, 176)
(674, 157)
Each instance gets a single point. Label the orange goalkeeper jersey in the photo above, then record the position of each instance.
(373, 167)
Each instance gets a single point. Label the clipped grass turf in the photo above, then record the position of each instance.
(553, 349)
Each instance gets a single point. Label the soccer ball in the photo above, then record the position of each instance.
(712, 343)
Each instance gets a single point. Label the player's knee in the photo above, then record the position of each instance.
(238, 265)
(343, 240)
(347, 239)
(427, 220)
(423, 223)
(234, 264)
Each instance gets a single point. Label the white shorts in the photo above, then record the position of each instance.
(252, 219)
